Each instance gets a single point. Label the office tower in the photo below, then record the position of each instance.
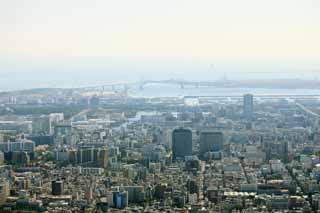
(94, 101)
(41, 125)
(181, 143)
(57, 187)
(63, 133)
(211, 141)
(1, 158)
(101, 157)
(22, 145)
(20, 157)
(284, 151)
(120, 199)
(55, 119)
(248, 106)
(85, 155)
(136, 194)
(94, 156)
(41, 139)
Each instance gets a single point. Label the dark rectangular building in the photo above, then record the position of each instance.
(181, 143)
(211, 141)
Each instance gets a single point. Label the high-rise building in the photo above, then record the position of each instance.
(19, 157)
(55, 119)
(181, 143)
(248, 106)
(57, 187)
(1, 158)
(4, 190)
(211, 141)
(22, 145)
(120, 199)
(94, 156)
(41, 125)
(63, 133)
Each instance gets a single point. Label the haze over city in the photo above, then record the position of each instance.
(55, 42)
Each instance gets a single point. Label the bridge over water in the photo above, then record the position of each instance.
(141, 84)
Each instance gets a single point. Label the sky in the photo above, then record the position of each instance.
(73, 41)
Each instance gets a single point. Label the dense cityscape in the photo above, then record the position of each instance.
(76, 150)
(170, 106)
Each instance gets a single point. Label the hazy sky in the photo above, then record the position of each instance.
(163, 38)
